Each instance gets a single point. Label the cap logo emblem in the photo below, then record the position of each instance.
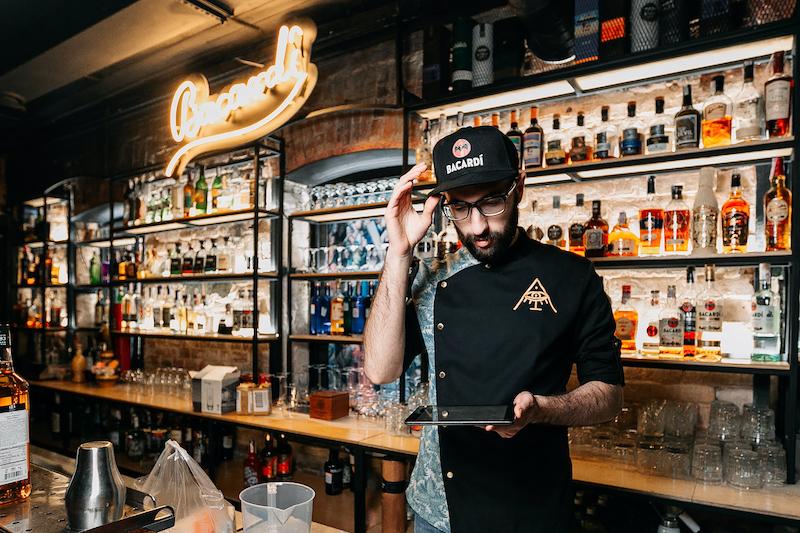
(461, 148)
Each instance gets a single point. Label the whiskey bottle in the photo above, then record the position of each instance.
(630, 141)
(622, 242)
(516, 136)
(337, 313)
(735, 219)
(556, 142)
(748, 109)
(709, 318)
(581, 148)
(14, 406)
(651, 343)
(778, 210)
(705, 214)
(555, 231)
(495, 121)
(188, 197)
(201, 194)
(717, 118)
(688, 310)
(766, 319)
(605, 137)
(533, 143)
(677, 219)
(778, 98)
(626, 318)
(670, 327)
(533, 230)
(595, 238)
(577, 227)
(687, 123)
(658, 139)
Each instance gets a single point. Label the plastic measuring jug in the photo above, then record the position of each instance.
(277, 508)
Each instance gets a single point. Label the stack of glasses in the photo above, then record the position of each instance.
(347, 194)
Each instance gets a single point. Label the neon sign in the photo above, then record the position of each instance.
(243, 112)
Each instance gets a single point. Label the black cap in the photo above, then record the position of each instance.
(474, 156)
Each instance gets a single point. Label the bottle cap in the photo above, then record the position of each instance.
(659, 104)
(579, 199)
(671, 291)
(596, 205)
(736, 180)
(677, 192)
(748, 71)
(631, 109)
(580, 118)
(651, 185)
(556, 202)
(719, 83)
(556, 121)
(534, 112)
(764, 273)
(623, 218)
(604, 113)
(690, 274)
(710, 273)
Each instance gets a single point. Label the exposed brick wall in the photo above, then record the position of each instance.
(194, 355)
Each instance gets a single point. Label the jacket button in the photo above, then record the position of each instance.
(443, 284)
(440, 326)
(449, 475)
(442, 374)
(487, 265)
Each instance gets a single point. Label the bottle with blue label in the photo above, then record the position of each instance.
(313, 311)
(630, 141)
(324, 324)
(532, 143)
(359, 318)
(516, 135)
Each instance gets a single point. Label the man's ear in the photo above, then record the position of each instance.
(520, 190)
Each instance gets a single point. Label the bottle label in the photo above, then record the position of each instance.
(578, 152)
(555, 233)
(533, 147)
(676, 223)
(686, 131)
(554, 145)
(777, 97)
(709, 316)
(313, 309)
(594, 239)
(704, 227)
(652, 340)
(516, 140)
(735, 229)
(689, 314)
(211, 263)
(747, 116)
(337, 313)
(227, 442)
(671, 332)
(650, 228)
(269, 469)
(621, 247)
(576, 231)
(482, 53)
(175, 265)
(250, 476)
(5, 338)
(356, 312)
(626, 329)
(777, 210)
(284, 465)
(658, 141)
(764, 316)
(715, 111)
(631, 143)
(188, 264)
(14, 441)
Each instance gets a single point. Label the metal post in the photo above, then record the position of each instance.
(256, 213)
(277, 359)
(359, 491)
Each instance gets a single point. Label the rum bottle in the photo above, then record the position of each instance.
(778, 211)
(670, 328)
(14, 407)
(778, 98)
(735, 219)
(627, 319)
(709, 318)
(595, 238)
(748, 109)
(766, 320)
(651, 341)
(251, 467)
(577, 227)
(688, 310)
(651, 222)
(705, 214)
(676, 223)
(622, 242)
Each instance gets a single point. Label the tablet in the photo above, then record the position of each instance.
(463, 415)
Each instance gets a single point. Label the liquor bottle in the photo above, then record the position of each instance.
(581, 147)
(187, 262)
(709, 317)
(605, 137)
(210, 266)
(285, 460)
(748, 109)
(516, 136)
(347, 309)
(644, 20)
(533, 143)
(358, 311)
(269, 460)
(533, 230)
(158, 311)
(658, 139)
(201, 194)
(595, 238)
(651, 343)
(15, 460)
(735, 219)
(333, 474)
(251, 467)
(462, 54)
(482, 54)
(313, 313)
(622, 242)
(94, 269)
(778, 210)
(188, 197)
(496, 120)
(687, 123)
(337, 313)
(555, 142)
(688, 310)
(630, 141)
(325, 312)
(766, 320)
(175, 261)
(576, 227)
(677, 222)
(166, 310)
(199, 259)
(216, 191)
(778, 98)
(224, 257)
(626, 318)
(555, 231)
(717, 116)
(651, 222)
(134, 440)
(670, 328)
(705, 214)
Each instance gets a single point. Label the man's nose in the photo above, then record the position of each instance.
(477, 222)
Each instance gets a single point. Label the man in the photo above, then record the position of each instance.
(502, 321)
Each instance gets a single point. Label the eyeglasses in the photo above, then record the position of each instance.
(491, 206)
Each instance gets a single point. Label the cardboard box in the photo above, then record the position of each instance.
(329, 405)
(214, 389)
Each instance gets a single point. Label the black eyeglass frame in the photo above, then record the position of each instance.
(447, 206)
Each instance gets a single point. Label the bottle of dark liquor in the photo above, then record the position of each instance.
(581, 148)
(630, 141)
(251, 467)
(15, 479)
(462, 54)
(778, 210)
(333, 474)
(735, 219)
(687, 123)
(269, 460)
(605, 137)
(533, 143)
(285, 459)
(228, 441)
(688, 310)
(358, 312)
(595, 237)
(778, 96)
(516, 136)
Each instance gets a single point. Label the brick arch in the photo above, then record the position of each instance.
(341, 132)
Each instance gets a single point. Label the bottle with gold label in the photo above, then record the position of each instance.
(627, 319)
(677, 223)
(15, 479)
(581, 148)
(555, 142)
(778, 211)
(735, 218)
(651, 222)
(622, 242)
(717, 116)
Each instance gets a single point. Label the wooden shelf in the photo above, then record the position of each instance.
(725, 365)
(197, 278)
(339, 339)
(210, 338)
(199, 221)
(336, 275)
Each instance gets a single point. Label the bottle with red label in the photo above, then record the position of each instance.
(709, 317)
(269, 460)
(651, 339)
(688, 311)
(778, 98)
(251, 467)
(671, 328)
(285, 459)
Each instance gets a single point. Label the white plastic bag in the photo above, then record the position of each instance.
(178, 481)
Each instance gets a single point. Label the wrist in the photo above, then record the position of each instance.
(398, 259)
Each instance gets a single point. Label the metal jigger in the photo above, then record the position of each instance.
(96, 493)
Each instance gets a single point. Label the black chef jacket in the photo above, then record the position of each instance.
(499, 329)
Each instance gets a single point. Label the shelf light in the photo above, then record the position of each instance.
(234, 217)
(153, 229)
(686, 63)
(39, 202)
(714, 160)
(105, 244)
(352, 215)
(550, 178)
(505, 99)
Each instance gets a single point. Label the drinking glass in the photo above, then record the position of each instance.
(334, 377)
(648, 456)
(707, 463)
(724, 421)
(680, 419)
(675, 459)
(745, 471)
(651, 419)
(625, 448)
(758, 424)
(773, 464)
(580, 441)
(603, 442)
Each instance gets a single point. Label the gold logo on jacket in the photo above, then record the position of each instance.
(536, 297)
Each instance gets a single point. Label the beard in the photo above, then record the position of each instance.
(500, 240)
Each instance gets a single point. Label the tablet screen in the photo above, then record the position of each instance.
(473, 415)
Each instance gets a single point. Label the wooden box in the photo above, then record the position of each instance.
(329, 405)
